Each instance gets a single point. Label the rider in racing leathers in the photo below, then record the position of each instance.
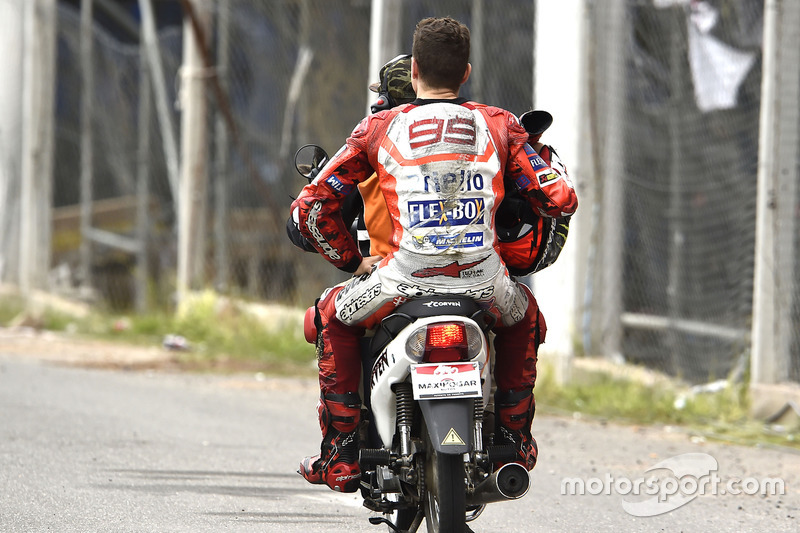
(527, 242)
(440, 162)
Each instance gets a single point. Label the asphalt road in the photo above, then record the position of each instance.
(114, 451)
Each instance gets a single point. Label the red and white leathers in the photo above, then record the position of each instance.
(440, 166)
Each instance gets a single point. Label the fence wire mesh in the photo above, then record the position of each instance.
(255, 125)
(691, 85)
(690, 97)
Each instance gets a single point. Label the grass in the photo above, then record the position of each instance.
(221, 335)
(12, 308)
(721, 415)
(234, 340)
(233, 336)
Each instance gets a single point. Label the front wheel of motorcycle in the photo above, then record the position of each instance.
(445, 495)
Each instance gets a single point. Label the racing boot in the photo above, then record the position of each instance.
(514, 416)
(337, 464)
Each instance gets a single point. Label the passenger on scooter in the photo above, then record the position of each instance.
(365, 206)
(440, 163)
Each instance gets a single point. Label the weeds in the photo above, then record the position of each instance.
(719, 415)
(220, 335)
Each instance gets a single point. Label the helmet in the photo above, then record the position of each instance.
(519, 235)
(515, 219)
(527, 242)
(395, 86)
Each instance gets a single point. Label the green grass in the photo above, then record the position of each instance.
(10, 307)
(722, 415)
(222, 336)
(232, 341)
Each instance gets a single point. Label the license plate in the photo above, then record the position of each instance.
(446, 380)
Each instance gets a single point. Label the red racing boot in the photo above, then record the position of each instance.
(513, 425)
(337, 464)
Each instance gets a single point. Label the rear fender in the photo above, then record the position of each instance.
(449, 424)
(392, 367)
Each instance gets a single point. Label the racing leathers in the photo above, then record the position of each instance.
(440, 165)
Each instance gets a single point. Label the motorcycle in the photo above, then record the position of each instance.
(427, 451)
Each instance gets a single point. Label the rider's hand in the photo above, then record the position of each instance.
(365, 267)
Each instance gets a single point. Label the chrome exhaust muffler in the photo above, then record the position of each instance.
(510, 482)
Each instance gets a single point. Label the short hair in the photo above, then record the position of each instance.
(441, 51)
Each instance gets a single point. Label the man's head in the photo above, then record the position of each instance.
(395, 85)
(441, 52)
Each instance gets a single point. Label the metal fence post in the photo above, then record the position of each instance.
(192, 197)
(39, 28)
(143, 167)
(222, 159)
(608, 106)
(779, 143)
(87, 138)
(384, 39)
(150, 39)
(11, 91)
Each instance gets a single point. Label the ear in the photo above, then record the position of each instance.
(466, 73)
(414, 74)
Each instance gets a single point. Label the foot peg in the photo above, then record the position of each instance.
(378, 520)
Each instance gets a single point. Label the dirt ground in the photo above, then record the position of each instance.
(69, 349)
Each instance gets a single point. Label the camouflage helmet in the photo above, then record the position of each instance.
(395, 83)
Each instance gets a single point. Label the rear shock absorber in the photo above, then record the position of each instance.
(478, 428)
(405, 416)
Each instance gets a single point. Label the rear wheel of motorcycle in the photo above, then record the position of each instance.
(445, 495)
(403, 518)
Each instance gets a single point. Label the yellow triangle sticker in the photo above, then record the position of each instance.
(452, 439)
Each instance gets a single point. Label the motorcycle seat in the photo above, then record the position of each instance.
(439, 305)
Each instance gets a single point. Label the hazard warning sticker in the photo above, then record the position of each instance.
(453, 439)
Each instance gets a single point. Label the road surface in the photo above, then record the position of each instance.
(88, 450)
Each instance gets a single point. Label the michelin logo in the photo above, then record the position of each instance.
(443, 242)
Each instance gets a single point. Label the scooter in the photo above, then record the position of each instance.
(427, 451)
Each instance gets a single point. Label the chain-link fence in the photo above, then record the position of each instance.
(689, 98)
(256, 120)
(674, 92)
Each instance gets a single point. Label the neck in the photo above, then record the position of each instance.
(438, 95)
(435, 93)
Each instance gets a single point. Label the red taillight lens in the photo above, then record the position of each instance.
(442, 335)
(445, 342)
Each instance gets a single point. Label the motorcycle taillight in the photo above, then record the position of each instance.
(445, 342)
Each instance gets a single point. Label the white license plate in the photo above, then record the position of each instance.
(446, 380)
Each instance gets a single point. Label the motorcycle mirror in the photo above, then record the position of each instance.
(309, 160)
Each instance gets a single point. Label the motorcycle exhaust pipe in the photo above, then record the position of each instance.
(510, 482)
